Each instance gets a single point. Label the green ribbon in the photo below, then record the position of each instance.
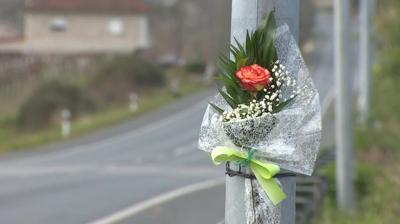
(264, 172)
(248, 159)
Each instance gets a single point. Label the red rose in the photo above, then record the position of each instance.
(254, 77)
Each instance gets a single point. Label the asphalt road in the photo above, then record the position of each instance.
(94, 179)
(88, 179)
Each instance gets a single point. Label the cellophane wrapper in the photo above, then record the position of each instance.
(289, 138)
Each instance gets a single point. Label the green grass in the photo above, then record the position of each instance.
(377, 186)
(377, 144)
(377, 192)
(11, 140)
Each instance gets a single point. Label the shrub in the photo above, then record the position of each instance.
(135, 70)
(362, 185)
(196, 67)
(44, 107)
(123, 74)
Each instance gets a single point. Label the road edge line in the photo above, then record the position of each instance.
(141, 206)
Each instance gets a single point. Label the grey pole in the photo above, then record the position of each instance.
(364, 100)
(343, 105)
(248, 15)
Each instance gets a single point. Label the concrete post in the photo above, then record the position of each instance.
(133, 106)
(66, 123)
(343, 107)
(248, 15)
(175, 89)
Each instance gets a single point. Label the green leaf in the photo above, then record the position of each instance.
(239, 57)
(225, 61)
(241, 63)
(228, 99)
(239, 45)
(282, 105)
(223, 73)
(234, 50)
(248, 43)
(219, 110)
(270, 30)
(229, 66)
(232, 93)
(244, 97)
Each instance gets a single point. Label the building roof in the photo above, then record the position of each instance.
(88, 5)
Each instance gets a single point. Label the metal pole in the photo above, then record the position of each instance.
(364, 100)
(248, 15)
(344, 120)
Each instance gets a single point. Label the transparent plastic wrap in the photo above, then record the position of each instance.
(289, 138)
(259, 208)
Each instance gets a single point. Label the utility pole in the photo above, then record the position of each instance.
(366, 60)
(343, 104)
(248, 15)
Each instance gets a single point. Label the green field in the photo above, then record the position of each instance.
(11, 139)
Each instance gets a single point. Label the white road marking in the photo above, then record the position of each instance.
(139, 207)
(113, 140)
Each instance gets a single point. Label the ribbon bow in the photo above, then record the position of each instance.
(264, 172)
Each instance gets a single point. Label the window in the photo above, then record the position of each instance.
(58, 25)
(115, 27)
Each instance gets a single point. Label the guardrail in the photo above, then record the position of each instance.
(311, 190)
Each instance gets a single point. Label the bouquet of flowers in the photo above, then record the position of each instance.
(266, 115)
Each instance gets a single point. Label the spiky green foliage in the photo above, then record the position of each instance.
(259, 48)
